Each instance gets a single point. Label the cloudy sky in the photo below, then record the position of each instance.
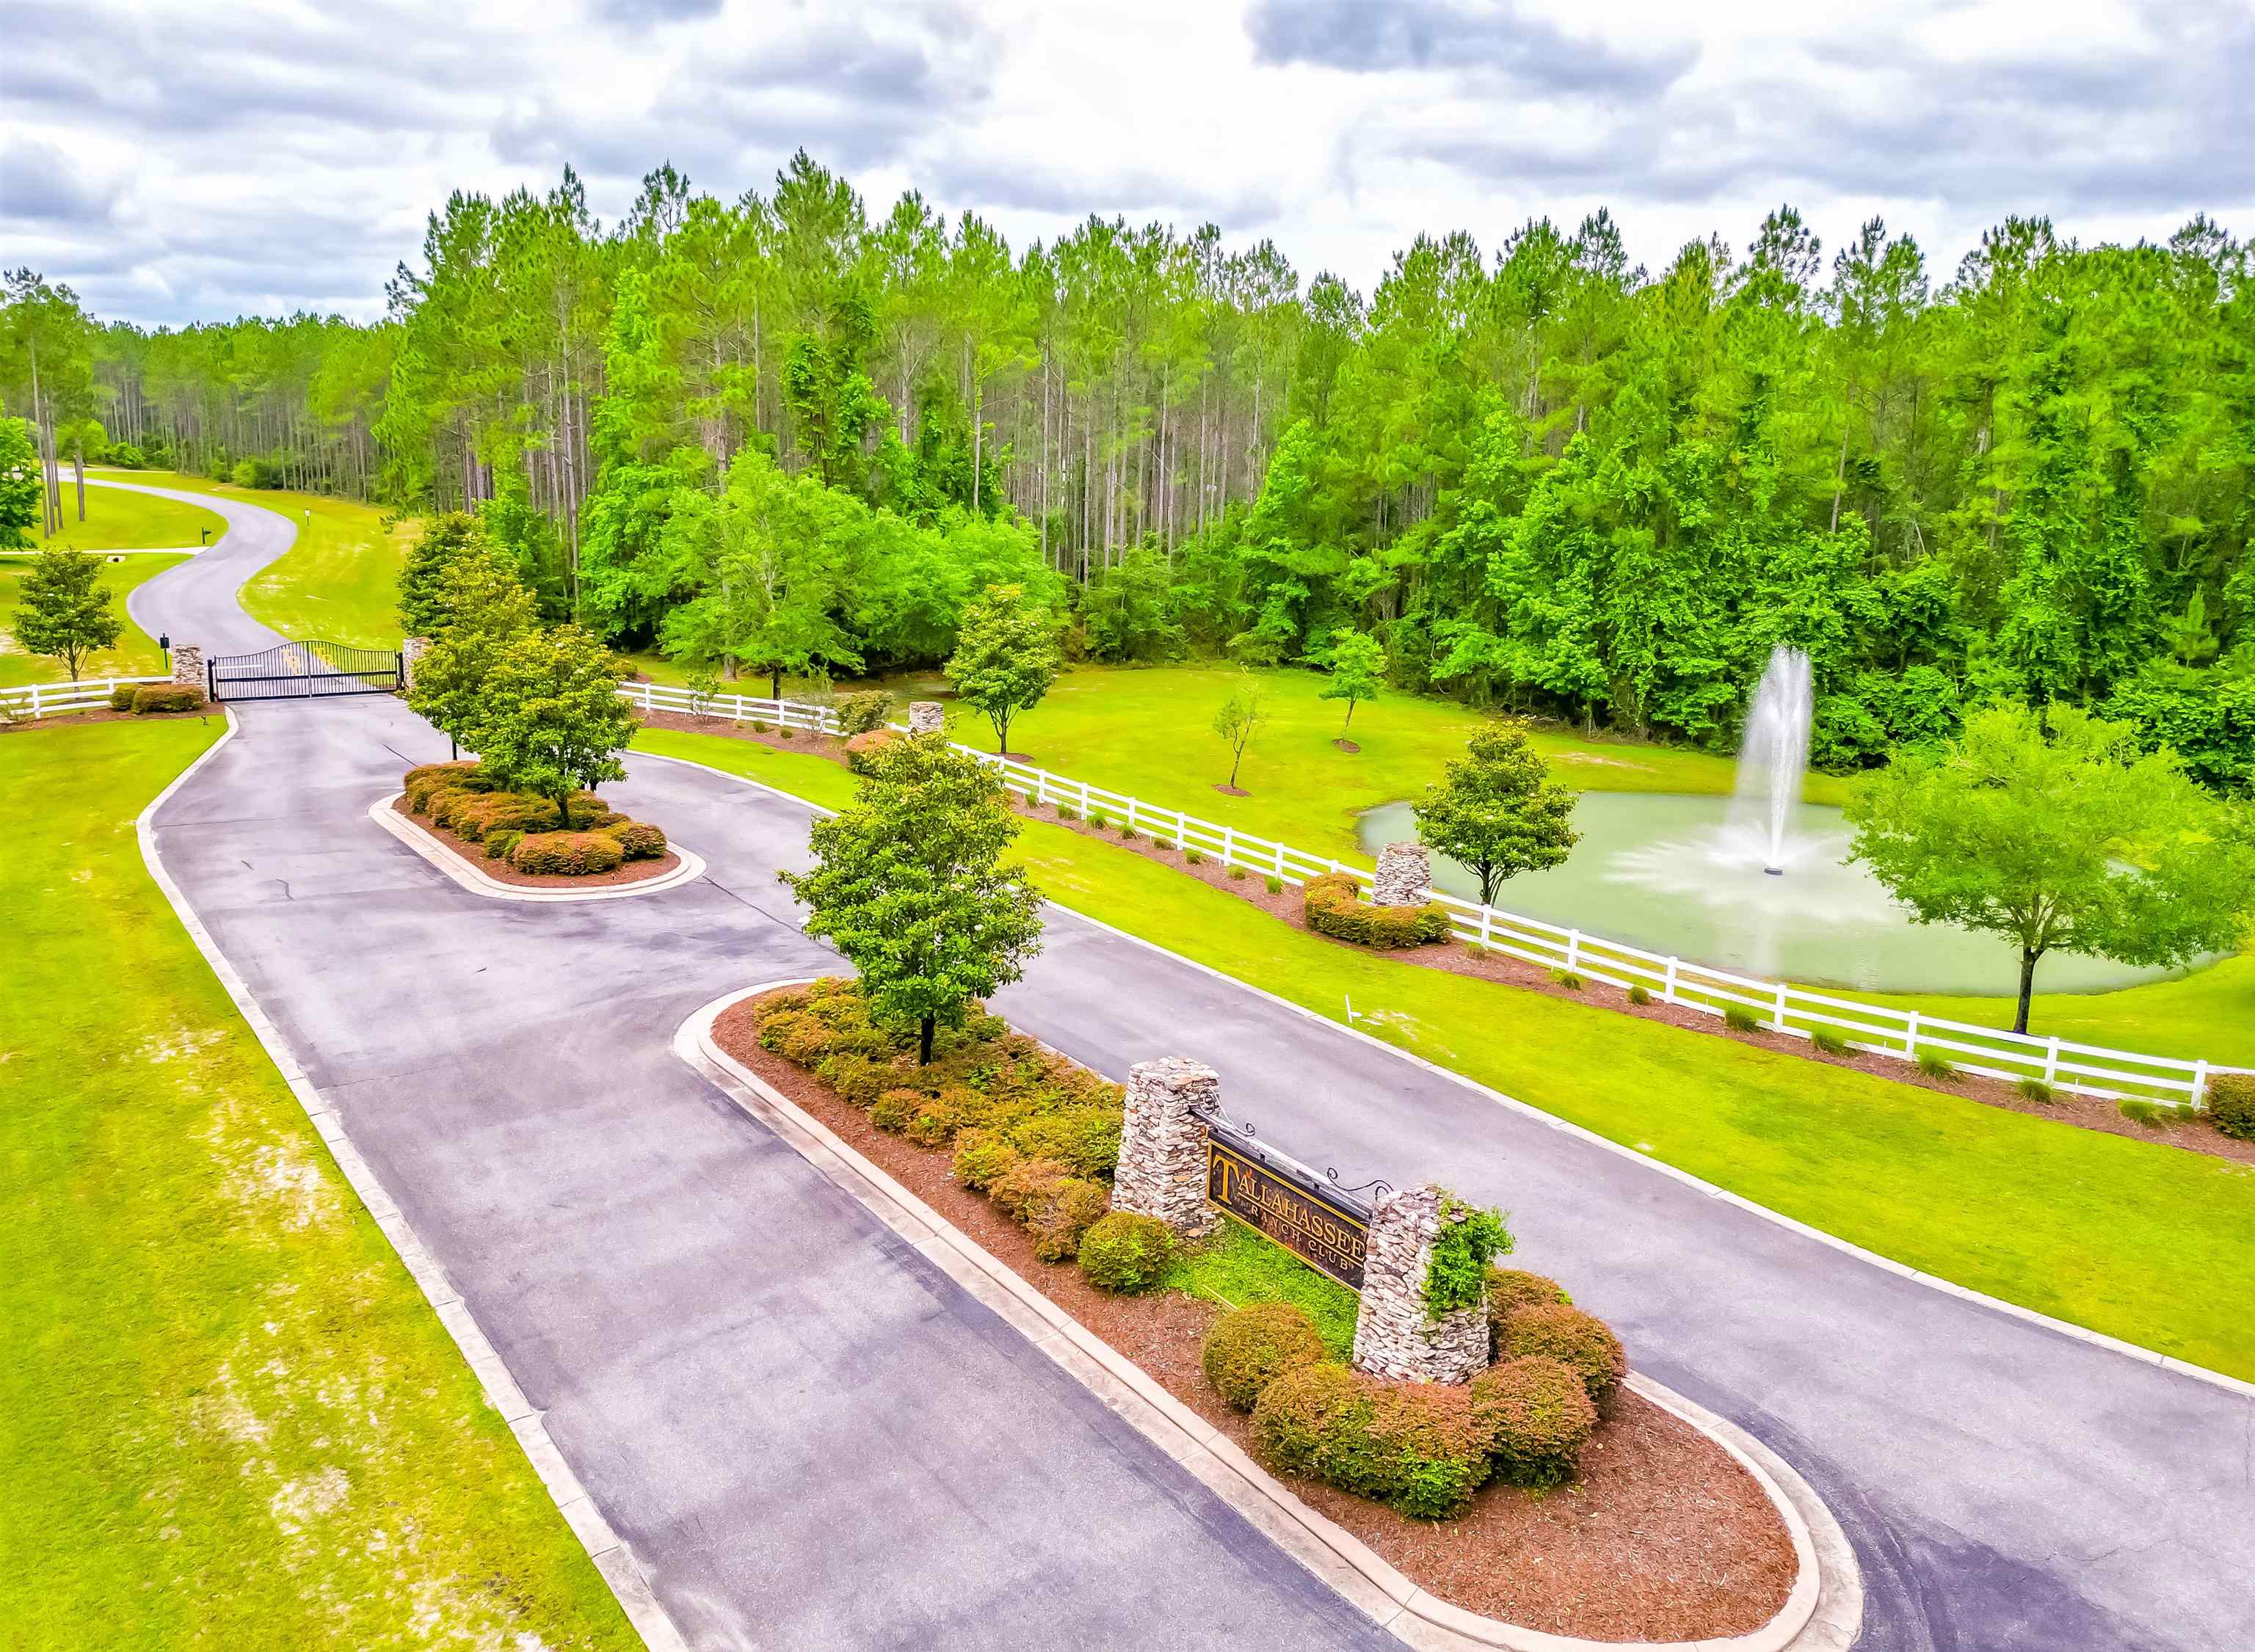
(175, 161)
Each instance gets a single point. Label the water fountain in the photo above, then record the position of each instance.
(1773, 756)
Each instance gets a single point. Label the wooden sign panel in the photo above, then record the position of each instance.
(1314, 1224)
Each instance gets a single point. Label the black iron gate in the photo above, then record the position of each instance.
(302, 670)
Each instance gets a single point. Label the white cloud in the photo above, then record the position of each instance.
(173, 165)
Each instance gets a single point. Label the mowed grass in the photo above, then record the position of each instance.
(1236, 1267)
(120, 521)
(135, 655)
(228, 1418)
(2136, 1239)
(338, 582)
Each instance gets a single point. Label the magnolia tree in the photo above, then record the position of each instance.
(1007, 654)
(63, 611)
(548, 720)
(1496, 812)
(2052, 830)
(909, 882)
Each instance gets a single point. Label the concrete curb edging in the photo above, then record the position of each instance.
(620, 1571)
(417, 838)
(1822, 1613)
(2136, 1351)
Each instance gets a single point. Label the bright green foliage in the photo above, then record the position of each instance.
(1496, 812)
(19, 485)
(483, 612)
(452, 566)
(910, 882)
(2050, 829)
(63, 611)
(1126, 1253)
(1358, 664)
(546, 719)
(1240, 715)
(1470, 1239)
(1007, 654)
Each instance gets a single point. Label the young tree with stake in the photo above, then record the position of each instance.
(1358, 671)
(2051, 830)
(909, 882)
(1496, 812)
(1007, 654)
(63, 611)
(1245, 710)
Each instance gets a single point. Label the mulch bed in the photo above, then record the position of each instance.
(1664, 1537)
(626, 872)
(103, 714)
(2193, 1134)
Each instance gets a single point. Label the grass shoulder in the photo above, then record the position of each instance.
(136, 652)
(118, 520)
(233, 1417)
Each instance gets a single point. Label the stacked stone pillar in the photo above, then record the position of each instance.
(1163, 1149)
(1404, 876)
(188, 665)
(410, 655)
(926, 717)
(1395, 1334)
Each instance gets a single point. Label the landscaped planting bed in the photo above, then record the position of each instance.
(1658, 1536)
(517, 838)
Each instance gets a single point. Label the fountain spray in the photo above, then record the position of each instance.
(1775, 755)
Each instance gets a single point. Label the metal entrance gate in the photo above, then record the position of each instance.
(302, 670)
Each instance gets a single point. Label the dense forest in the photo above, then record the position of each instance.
(782, 434)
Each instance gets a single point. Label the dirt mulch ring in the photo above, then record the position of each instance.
(806, 742)
(626, 872)
(1664, 1537)
(103, 714)
(2193, 1134)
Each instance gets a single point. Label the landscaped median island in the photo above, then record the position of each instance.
(537, 843)
(1540, 1493)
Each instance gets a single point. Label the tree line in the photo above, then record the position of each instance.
(1536, 476)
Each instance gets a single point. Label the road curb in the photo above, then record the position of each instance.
(620, 1571)
(1822, 1613)
(418, 839)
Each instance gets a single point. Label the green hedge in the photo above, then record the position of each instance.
(1250, 1347)
(165, 697)
(2231, 1104)
(1125, 1253)
(1571, 1337)
(1536, 1415)
(638, 839)
(1334, 907)
(567, 854)
(1417, 1447)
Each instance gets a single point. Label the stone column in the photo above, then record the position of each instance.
(926, 717)
(1395, 1335)
(1404, 877)
(188, 665)
(1161, 1170)
(410, 655)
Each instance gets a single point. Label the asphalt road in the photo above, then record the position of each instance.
(811, 1439)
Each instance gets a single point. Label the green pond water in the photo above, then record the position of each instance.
(1684, 875)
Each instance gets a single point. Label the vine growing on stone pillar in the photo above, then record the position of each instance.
(1469, 1240)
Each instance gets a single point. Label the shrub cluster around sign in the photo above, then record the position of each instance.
(531, 833)
(1335, 906)
(141, 697)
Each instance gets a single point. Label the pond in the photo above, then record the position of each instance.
(1677, 874)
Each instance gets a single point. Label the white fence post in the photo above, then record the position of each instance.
(1181, 830)
(1781, 1006)
(1667, 984)
(2199, 1082)
(1229, 845)
(1910, 1036)
(2051, 1060)
(1573, 948)
(1487, 926)
(1280, 860)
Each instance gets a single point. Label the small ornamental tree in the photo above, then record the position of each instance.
(1007, 654)
(1496, 811)
(1357, 670)
(63, 611)
(1244, 711)
(547, 720)
(490, 608)
(454, 558)
(909, 882)
(21, 486)
(2052, 830)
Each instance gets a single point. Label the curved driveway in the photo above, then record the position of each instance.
(811, 1438)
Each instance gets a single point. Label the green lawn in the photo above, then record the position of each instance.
(136, 653)
(117, 520)
(228, 1418)
(337, 583)
(2136, 1239)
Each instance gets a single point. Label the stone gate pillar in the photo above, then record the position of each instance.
(188, 665)
(1395, 1335)
(1161, 1170)
(410, 655)
(1404, 876)
(926, 717)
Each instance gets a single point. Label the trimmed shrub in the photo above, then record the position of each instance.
(1511, 1289)
(424, 784)
(2152, 1114)
(2034, 1089)
(638, 839)
(1828, 1039)
(864, 713)
(121, 697)
(982, 1158)
(1096, 819)
(1237, 873)
(1935, 1064)
(857, 1079)
(1536, 1418)
(1416, 1446)
(1193, 857)
(1058, 1221)
(565, 854)
(1335, 906)
(589, 812)
(795, 1036)
(1739, 1018)
(1023, 1190)
(472, 815)
(2231, 1104)
(1086, 1139)
(1066, 811)
(1125, 1253)
(935, 1123)
(1638, 995)
(1473, 950)
(862, 746)
(1275, 884)
(893, 1109)
(1566, 1334)
(167, 696)
(1163, 843)
(499, 843)
(1568, 979)
(1127, 830)
(1248, 1348)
